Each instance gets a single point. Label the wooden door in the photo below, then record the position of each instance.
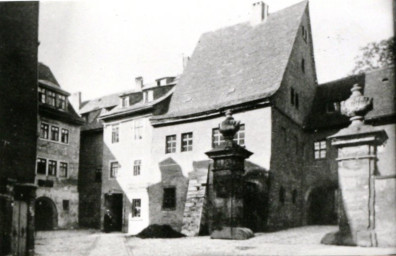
(19, 228)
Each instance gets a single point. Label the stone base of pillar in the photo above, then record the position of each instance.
(232, 233)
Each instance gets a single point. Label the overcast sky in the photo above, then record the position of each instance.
(99, 47)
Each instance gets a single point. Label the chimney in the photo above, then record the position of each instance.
(75, 101)
(139, 82)
(259, 13)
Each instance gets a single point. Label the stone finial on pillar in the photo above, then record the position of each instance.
(357, 169)
(228, 169)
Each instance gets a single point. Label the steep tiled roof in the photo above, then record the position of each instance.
(377, 84)
(237, 64)
(107, 101)
(45, 74)
(47, 80)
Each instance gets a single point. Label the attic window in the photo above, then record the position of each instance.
(125, 101)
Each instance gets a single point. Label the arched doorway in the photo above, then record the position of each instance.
(46, 215)
(322, 206)
(255, 205)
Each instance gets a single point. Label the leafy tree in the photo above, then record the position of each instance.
(375, 55)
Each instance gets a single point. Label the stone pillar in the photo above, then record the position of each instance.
(228, 169)
(357, 157)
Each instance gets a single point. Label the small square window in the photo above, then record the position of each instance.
(66, 205)
(41, 166)
(115, 134)
(187, 142)
(170, 146)
(44, 130)
(65, 136)
(136, 208)
(320, 149)
(52, 168)
(114, 169)
(54, 133)
(169, 199)
(136, 167)
(63, 170)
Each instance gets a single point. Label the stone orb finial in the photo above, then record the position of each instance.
(229, 127)
(356, 106)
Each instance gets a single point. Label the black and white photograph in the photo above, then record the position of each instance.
(197, 127)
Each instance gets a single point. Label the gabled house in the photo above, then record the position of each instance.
(58, 147)
(127, 161)
(262, 70)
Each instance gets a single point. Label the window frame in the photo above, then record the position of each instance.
(60, 101)
(168, 203)
(138, 129)
(42, 95)
(170, 144)
(113, 170)
(45, 166)
(237, 137)
(136, 210)
(115, 134)
(137, 166)
(52, 172)
(318, 148)
(47, 130)
(54, 131)
(61, 165)
(187, 142)
(64, 134)
(51, 98)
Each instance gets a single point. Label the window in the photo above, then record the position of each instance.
(150, 95)
(113, 169)
(282, 195)
(138, 127)
(240, 136)
(125, 101)
(187, 142)
(304, 33)
(61, 101)
(320, 149)
(333, 107)
(52, 168)
(170, 146)
(44, 129)
(217, 137)
(136, 208)
(98, 174)
(303, 65)
(136, 167)
(54, 133)
(41, 166)
(51, 98)
(294, 196)
(169, 199)
(115, 134)
(65, 136)
(41, 92)
(65, 204)
(294, 98)
(63, 170)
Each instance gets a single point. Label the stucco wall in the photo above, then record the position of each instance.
(177, 165)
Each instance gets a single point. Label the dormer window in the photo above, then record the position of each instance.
(148, 96)
(125, 101)
(41, 92)
(51, 98)
(61, 102)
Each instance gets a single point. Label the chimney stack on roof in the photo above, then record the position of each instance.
(75, 101)
(139, 82)
(259, 13)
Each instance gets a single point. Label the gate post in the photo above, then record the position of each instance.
(23, 220)
(228, 169)
(357, 172)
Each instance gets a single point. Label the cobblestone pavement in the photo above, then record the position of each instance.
(296, 241)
